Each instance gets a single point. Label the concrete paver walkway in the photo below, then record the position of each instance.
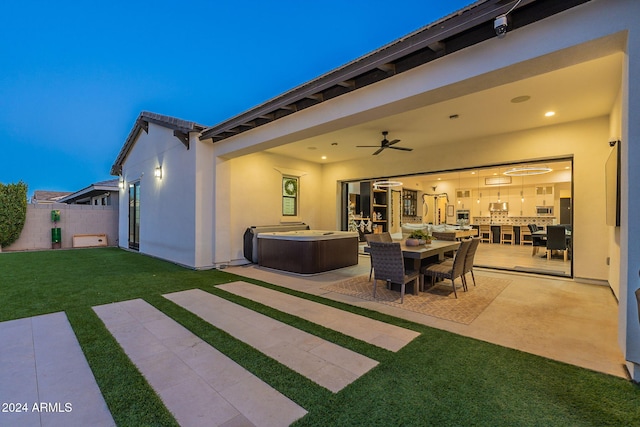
(380, 334)
(197, 383)
(45, 379)
(327, 364)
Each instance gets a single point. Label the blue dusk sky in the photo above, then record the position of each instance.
(74, 75)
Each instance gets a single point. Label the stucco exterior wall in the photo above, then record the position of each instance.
(615, 133)
(167, 205)
(630, 196)
(256, 189)
(74, 219)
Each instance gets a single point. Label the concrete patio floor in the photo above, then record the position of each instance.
(557, 318)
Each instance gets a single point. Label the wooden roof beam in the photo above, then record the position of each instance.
(349, 84)
(144, 125)
(316, 97)
(387, 68)
(183, 137)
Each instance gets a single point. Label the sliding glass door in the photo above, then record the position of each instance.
(134, 215)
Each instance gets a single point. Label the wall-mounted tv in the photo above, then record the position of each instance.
(612, 182)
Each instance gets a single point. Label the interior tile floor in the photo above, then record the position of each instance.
(520, 258)
(553, 317)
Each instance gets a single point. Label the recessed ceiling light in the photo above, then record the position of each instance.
(324, 157)
(550, 114)
(519, 99)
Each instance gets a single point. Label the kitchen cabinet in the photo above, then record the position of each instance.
(529, 204)
(479, 202)
(544, 195)
(463, 199)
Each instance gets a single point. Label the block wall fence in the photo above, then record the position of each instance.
(74, 219)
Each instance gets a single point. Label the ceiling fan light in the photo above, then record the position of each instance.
(384, 144)
(527, 170)
(386, 184)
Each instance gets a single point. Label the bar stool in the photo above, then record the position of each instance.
(485, 234)
(525, 236)
(506, 234)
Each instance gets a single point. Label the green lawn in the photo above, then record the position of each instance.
(439, 379)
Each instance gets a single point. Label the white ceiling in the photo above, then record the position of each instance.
(576, 92)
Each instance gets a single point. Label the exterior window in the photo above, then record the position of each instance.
(289, 196)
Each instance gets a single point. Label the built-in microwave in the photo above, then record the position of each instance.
(544, 210)
(462, 214)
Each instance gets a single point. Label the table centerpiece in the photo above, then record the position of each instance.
(418, 237)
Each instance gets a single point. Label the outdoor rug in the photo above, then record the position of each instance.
(438, 301)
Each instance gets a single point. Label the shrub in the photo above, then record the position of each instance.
(13, 211)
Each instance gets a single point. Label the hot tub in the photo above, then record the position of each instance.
(307, 251)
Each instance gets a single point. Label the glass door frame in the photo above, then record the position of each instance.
(134, 215)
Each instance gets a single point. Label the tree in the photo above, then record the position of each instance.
(13, 211)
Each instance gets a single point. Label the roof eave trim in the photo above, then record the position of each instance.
(472, 15)
(181, 129)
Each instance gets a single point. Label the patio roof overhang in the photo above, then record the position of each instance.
(462, 29)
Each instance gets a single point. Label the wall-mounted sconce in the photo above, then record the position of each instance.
(121, 182)
(158, 172)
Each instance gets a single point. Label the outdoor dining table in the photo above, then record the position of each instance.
(414, 255)
(543, 233)
(567, 234)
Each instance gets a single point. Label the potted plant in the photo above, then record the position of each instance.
(418, 237)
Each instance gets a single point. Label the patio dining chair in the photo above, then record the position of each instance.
(388, 265)
(377, 237)
(468, 261)
(536, 241)
(557, 240)
(452, 270)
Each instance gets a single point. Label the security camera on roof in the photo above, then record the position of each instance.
(500, 25)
